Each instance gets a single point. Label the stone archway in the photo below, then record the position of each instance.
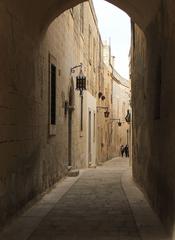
(36, 15)
(22, 27)
(141, 12)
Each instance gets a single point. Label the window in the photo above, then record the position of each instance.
(52, 88)
(53, 95)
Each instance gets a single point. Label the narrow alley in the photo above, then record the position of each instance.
(101, 203)
(66, 106)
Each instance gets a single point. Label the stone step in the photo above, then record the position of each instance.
(92, 166)
(73, 173)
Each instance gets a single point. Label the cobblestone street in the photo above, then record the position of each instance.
(100, 204)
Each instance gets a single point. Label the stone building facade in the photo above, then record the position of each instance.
(88, 137)
(51, 128)
(55, 131)
(77, 42)
(121, 129)
(24, 143)
(113, 131)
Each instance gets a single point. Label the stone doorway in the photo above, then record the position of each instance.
(89, 140)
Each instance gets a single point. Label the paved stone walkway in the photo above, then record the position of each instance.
(100, 204)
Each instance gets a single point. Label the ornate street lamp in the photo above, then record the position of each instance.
(80, 81)
(100, 94)
(103, 98)
(106, 113)
(118, 121)
(128, 117)
(80, 86)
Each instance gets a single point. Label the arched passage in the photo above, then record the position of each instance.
(37, 15)
(22, 91)
(135, 9)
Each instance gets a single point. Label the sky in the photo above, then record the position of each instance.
(114, 24)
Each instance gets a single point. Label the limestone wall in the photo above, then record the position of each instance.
(120, 105)
(32, 159)
(153, 114)
(28, 155)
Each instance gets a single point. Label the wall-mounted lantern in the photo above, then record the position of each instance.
(103, 98)
(80, 86)
(100, 94)
(118, 121)
(80, 79)
(128, 117)
(106, 113)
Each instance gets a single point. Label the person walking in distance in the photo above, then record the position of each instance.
(122, 150)
(126, 150)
